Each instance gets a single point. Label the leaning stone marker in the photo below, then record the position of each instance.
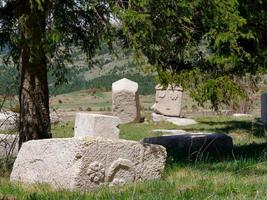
(168, 101)
(194, 145)
(125, 100)
(87, 163)
(96, 125)
(264, 108)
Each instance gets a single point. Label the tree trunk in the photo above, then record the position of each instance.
(33, 95)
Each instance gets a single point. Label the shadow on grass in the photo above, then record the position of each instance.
(250, 151)
(255, 127)
(250, 159)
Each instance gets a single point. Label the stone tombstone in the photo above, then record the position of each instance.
(185, 145)
(125, 100)
(87, 163)
(168, 101)
(96, 125)
(264, 108)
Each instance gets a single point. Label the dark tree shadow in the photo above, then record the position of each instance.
(250, 151)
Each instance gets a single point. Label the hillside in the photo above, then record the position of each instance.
(106, 69)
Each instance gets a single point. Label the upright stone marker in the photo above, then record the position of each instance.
(264, 108)
(87, 163)
(125, 100)
(96, 125)
(168, 101)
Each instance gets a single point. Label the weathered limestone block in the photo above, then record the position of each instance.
(87, 163)
(8, 145)
(264, 108)
(168, 101)
(8, 120)
(125, 100)
(194, 145)
(96, 125)
(175, 120)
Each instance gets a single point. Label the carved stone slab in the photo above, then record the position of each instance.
(87, 163)
(96, 125)
(125, 100)
(168, 101)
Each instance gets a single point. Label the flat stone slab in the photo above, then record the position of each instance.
(169, 131)
(175, 120)
(194, 145)
(242, 115)
(8, 145)
(87, 163)
(96, 125)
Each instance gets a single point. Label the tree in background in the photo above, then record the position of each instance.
(203, 45)
(215, 49)
(40, 34)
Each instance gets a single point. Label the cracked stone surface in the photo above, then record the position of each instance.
(87, 163)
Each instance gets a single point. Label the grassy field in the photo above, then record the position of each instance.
(243, 176)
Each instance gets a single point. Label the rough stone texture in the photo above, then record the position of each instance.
(87, 163)
(264, 108)
(168, 101)
(8, 120)
(125, 100)
(194, 145)
(96, 125)
(175, 120)
(8, 145)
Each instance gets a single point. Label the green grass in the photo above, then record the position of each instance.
(244, 176)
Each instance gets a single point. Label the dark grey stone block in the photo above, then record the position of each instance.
(194, 146)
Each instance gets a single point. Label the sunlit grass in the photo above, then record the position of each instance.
(243, 176)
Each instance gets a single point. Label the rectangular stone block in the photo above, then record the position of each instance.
(125, 100)
(264, 108)
(96, 125)
(87, 163)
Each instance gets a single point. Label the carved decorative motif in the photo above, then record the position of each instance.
(96, 172)
(121, 171)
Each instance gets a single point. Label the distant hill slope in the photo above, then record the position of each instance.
(80, 76)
